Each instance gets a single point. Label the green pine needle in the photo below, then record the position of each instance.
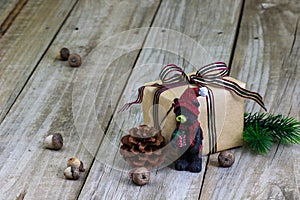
(263, 129)
(258, 138)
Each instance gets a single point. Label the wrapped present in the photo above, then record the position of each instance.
(229, 115)
(221, 110)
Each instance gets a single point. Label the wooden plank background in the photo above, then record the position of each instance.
(45, 105)
(26, 39)
(40, 95)
(267, 58)
(9, 10)
(111, 182)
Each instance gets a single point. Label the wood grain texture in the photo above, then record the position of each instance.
(268, 54)
(45, 105)
(6, 8)
(24, 44)
(9, 11)
(271, 176)
(192, 25)
(267, 59)
(81, 102)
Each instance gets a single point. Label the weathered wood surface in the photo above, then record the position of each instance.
(24, 43)
(45, 105)
(7, 13)
(81, 103)
(108, 178)
(266, 57)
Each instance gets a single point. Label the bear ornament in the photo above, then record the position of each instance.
(187, 137)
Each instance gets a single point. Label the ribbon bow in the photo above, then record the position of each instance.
(213, 74)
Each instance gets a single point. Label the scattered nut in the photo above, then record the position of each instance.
(63, 54)
(75, 162)
(54, 141)
(72, 173)
(74, 60)
(140, 176)
(226, 158)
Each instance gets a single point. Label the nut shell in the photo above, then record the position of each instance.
(226, 158)
(140, 176)
(75, 162)
(74, 60)
(63, 54)
(54, 141)
(72, 173)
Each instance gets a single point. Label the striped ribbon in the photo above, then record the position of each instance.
(212, 74)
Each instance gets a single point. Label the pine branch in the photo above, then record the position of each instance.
(259, 139)
(260, 127)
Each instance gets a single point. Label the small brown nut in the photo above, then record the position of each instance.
(74, 60)
(63, 54)
(72, 172)
(140, 176)
(54, 141)
(226, 158)
(75, 162)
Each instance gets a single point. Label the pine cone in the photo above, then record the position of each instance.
(143, 147)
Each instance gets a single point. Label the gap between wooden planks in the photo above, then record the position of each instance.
(27, 37)
(45, 104)
(108, 178)
(267, 57)
(60, 120)
(8, 14)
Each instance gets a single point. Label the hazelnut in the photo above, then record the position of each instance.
(72, 172)
(63, 54)
(74, 60)
(140, 176)
(226, 158)
(54, 141)
(75, 162)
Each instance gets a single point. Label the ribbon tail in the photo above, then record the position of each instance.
(232, 86)
(139, 98)
(137, 101)
(211, 122)
(155, 106)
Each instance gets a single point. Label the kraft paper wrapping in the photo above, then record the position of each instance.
(229, 114)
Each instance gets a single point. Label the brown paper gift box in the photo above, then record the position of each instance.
(229, 114)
